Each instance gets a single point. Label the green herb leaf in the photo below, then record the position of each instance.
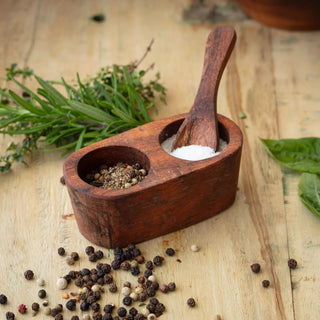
(309, 192)
(297, 154)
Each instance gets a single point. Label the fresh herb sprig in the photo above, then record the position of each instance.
(301, 155)
(114, 100)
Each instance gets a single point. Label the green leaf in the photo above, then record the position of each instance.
(141, 106)
(25, 104)
(297, 154)
(309, 192)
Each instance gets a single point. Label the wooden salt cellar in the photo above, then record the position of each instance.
(175, 194)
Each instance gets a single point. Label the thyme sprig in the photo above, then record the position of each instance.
(114, 100)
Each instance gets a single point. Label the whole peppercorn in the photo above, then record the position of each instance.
(164, 288)
(157, 260)
(160, 308)
(113, 288)
(75, 318)
(85, 272)
(155, 285)
(115, 264)
(118, 251)
(71, 304)
(149, 265)
(127, 301)
(47, 311)
(142, 296)
(292, 263)
(139, 316)
(127, 284)
(133, 311)
(122, 312)
(255, 267)
(171, 286)
(106, 267)
(3, 299)
(151, 316)
(147, 273)
(22, 308)
(99, 254)
(125, 265)
(141, 279)
(136, 252)
(108, 278)
(108, 308)
(78, 282)
(139, 259)
(127, 255)
(107, 316)
(54, 312)
(61, 251)
(70, 261)
(59, 316)
(95, 307)
(265, 283)
(151, 292)
(10, 315)
(59, 307)
(93, 257)
(154, 301)
(84, 306)
(68, 278)
(97, 316)
(151, 307)
(29, 274)
(135, 271)
(35, 306)
(191, 302)
(89, 250)
(170, 252)
(74, 256)
(62, 283)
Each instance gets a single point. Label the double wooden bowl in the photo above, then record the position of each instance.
(175, 193)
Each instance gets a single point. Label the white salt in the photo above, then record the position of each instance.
(192, 152)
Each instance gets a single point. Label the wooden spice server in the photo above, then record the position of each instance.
(175, 193)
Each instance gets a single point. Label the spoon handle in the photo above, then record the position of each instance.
(200, 125)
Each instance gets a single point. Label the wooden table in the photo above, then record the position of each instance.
(273, 77)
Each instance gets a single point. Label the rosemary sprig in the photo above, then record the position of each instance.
(116, 99)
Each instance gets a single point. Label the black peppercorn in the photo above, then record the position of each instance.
(160, 308)
(127, 301)
(84, 306)
(42, 294)
(131, 246)
(71, 304)
(3, 299)
(61, 251)
(75, 318)
(108, 278)
(292, 263)
(255, 267)
(157, 260)
(265, 283)
(93, 257)
(95, 307)
(115, 264)
(78, 282)
(139, 316)
(107, 316)
(127, 255)
(74, 256)
(135, 271)
(122, 312)
(164, 288)
(129, 317)
(191, 302)
(151, 292)
(62, 180)
(59, 316)
(54, 312)
(99, 254)
(170, 252)
(142, 296)
(147, 273)
(154, 301)
(29, 274)
(106, 267)
(108, 308)
(10, 315)
(125, 265)
(113, 288)
(171, 286)
(155, 285)
(141, 279)
(68, 278)
(89, 250)
(139, 259)
(136, 252)
(118, 251)
(151, 307)
(85, 272)
(149, 265)
(59, 307)
(133, 311)
(97, 316)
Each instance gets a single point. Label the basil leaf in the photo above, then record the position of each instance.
(297, 154)
(309, 192)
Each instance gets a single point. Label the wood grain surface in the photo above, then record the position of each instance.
(273, 77)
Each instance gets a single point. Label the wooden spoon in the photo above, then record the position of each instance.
(200, 126)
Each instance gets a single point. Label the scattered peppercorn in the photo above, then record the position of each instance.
(95, 307)
(191, 302)
(127, 301)
(22, 308)
(113, 288)
(171, 286)
(59, 316)
(71, 304)
(61, 251)
(157, 260)
(54, 312)
(164, 288)
(59, 307)
(29, 274)
(75, 318)
(170, 252)
(255, 268)
(70, 261)
(89, 250)
(265, 283)
(3, 299)
(135, 271)
(10, 315)
(194, 248)
(139, 259)
(62, 180)
(42, 294)
(99, 254)
(74, 256)
(35, 306)
(292, 263)
(122, 312)
(47, 311)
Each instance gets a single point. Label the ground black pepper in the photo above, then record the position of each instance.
(265, 283)
(3, 299)
(191, 302)
(255, 267)
(292, 263)
(61, 251)
(170, 252)
(29, 274)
